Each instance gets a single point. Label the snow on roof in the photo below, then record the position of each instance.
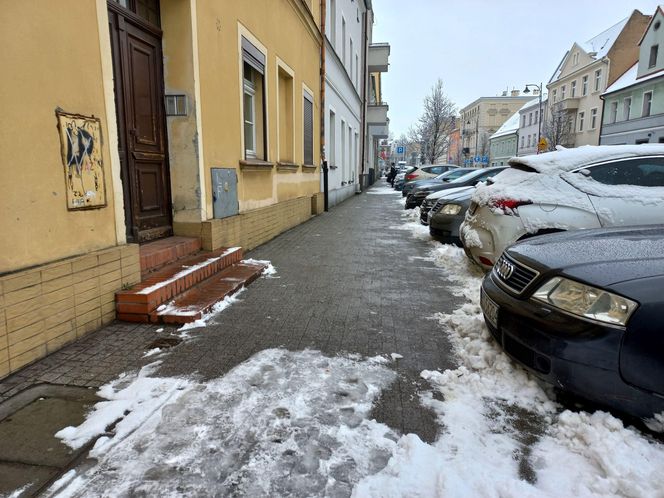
(509, 126)
(569, 159)
(629, 78)
(602, 43)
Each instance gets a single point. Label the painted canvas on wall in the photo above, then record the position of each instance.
(80, 142)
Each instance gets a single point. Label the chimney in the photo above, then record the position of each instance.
(504, 93)
(515, 93)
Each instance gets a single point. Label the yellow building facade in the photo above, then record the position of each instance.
(131, 120)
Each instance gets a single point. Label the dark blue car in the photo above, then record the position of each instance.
(584, 311)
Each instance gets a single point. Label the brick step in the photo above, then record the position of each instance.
(172, 280)
(157, 254)
(194, 303)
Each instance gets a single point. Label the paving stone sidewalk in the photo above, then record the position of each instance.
(349, 281)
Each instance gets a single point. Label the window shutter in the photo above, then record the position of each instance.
(252, 56)
(308, 131)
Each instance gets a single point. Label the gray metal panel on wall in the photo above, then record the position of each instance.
(224, 192)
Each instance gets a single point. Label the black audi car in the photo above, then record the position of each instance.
(584, 311)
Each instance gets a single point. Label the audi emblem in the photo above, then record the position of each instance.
(504, 269)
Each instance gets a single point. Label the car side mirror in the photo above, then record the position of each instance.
(489, 181)
(584, 172)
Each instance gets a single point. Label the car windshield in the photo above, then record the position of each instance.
(453, 174)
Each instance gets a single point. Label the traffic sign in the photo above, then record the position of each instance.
(401, 149)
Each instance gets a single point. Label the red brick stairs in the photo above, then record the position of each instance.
(180, 283)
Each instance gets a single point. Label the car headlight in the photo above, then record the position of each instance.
(586, 301)
(450, 209)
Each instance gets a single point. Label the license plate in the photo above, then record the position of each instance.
(489, 308)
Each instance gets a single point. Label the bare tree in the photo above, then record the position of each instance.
(557, 129)
(432, 131)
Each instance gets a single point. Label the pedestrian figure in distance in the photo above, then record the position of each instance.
(392, 175)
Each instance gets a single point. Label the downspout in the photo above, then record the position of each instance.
(323, 155)
(363, 99)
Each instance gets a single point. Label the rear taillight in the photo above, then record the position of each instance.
(508, 206)
(411, 176)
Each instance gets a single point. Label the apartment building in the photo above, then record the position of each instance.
(586, 70)
(633, 106)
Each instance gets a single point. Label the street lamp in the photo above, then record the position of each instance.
(477, 124)
(539, 123)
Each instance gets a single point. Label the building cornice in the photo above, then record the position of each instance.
(307, 18)
(576, 73)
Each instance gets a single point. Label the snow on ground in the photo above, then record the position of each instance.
(281, 423)
(382, 190)
(502, 436)
(210, 315)
(296, 424)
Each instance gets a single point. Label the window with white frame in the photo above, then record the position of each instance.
(530, 118)
(523, 121)
(342, 161)
(333, 22)
(343, 41)
(308, 128)
(627, 108)
(333, 139)
(647, 104)
(253, 101)
(573, 89)
(523, 139)
(563, 90)
(575, 59)
(357, 71)
(613, 112)
(598, 80)
(249, 112)
(554, 96)
(584, 85)
(593, 118)
(652, 61)
(582, 116)
(536, 116)
(350, 56)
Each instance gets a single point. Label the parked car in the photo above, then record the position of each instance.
(447, 214)
(418, 194)
(582, 310)
(587, 187)
(448, 176)
(400, 180)
(431, 171)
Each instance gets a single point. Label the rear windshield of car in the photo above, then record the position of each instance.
(522, 167)
(475, 173)
(410, 170)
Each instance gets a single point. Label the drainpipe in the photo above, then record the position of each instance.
(323, 14)
(363, 99)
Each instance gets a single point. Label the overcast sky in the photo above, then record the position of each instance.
(481, 47)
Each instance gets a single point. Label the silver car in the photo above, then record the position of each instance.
(570, 189)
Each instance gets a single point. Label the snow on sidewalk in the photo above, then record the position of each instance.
(281, 423)
(502, 434)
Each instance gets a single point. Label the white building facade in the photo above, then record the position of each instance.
(345, 71)
(530, 126)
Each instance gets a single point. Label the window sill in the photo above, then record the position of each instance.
(286, 166)
(308, 168)
(255, 165)
(332, 167)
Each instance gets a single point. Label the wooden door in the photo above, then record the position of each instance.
(138, 73)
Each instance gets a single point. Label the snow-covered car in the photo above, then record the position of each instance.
(569, 189)
(582, 311)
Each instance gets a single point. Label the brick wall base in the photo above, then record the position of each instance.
(44, 308)
(317, 203)
(249, 229)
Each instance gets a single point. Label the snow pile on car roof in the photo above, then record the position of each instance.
(522, 186)
(569, 159)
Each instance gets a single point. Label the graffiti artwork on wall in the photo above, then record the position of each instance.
(80, 142)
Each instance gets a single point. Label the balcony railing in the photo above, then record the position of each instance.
(377, 59)
(377, 113)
